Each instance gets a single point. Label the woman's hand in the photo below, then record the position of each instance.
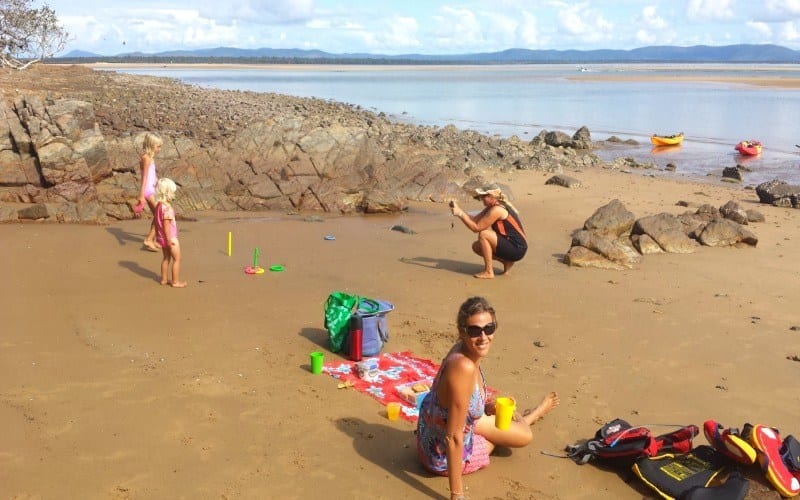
(490, 408)
(455, 209)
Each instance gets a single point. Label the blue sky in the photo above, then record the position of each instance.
(422, 26)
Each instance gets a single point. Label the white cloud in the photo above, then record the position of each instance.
(651, 19)
(789, 32)
(456, 28)
(709, 10)
(782, 8)
(645, 38)
(762, 29)
(527, 32)
(401, 33)
(584, 25)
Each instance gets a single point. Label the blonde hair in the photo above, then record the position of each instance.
(150, 143)
(165, 190)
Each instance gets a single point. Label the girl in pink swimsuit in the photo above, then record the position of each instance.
(150, 147)
(167, 233)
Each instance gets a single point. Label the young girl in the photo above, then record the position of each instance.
(150, 147)
(167, 232)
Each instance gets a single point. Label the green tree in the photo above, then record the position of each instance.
(27, 34)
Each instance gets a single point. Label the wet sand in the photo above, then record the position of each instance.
(112, 386)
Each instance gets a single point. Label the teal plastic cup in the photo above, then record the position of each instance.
(316, 362)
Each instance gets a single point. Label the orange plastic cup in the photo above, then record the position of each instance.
(393, 410)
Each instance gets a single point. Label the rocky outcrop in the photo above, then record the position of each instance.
(73, 153)
(612, 238)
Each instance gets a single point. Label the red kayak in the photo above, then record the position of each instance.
(749, 148)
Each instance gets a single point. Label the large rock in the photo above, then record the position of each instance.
(725, 232)
(583, 257)
(611, 218)
(666, 230)
(779, 193)
(733, 211)
(609, 246)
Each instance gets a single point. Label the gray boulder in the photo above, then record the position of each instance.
(779, 193)
(725, 232)
(583, 257)
(612, 218)
(563, 181)
(733, 211)
(667, 230)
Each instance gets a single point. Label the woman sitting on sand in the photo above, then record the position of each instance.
(456, 430)
(500, 233)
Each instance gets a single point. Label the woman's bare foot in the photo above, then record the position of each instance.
(179, 284)
(165, 282)
(152, 246)
(549, 402)
(507, 267)
(484, 275)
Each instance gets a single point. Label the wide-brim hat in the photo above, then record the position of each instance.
(492, 189)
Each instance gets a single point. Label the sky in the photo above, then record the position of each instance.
(421, 26)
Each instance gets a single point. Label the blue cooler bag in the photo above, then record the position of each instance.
(375, 331)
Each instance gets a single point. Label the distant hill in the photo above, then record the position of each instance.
(742, 53)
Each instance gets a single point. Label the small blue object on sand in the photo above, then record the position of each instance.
(330, 237)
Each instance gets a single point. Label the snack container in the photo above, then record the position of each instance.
(367, 369)
(411, 393)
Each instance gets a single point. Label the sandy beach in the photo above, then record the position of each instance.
(113, 386)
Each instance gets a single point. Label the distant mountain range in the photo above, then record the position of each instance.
(654, 54)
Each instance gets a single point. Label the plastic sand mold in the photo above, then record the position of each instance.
(254, 270)
(277, 268)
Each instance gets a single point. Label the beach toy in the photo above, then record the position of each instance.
(230, 243)
(330, 237)
(393, 410)
(504, 410)
(254, 269)
(316, 359)
(277, 268)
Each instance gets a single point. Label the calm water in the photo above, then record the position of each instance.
(523, 100)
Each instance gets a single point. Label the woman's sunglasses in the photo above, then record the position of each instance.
(475, 331)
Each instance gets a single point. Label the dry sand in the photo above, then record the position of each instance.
(112, 386)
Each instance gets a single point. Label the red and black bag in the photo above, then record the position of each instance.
(619, 443)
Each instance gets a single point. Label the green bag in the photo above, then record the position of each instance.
(338, 308)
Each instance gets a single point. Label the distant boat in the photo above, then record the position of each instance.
(666, 140)
(749, 148)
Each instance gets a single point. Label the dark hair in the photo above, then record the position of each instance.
(472, 306)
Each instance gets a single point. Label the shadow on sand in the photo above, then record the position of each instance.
(135, 268)
(371, 441)
(454, 266)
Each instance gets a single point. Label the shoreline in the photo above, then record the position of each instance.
(622, 72)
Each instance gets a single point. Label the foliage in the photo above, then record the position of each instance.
(27, 34)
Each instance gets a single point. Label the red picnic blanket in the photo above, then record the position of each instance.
(394, 369)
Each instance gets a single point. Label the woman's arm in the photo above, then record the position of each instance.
(483, 220)
(459, 383)
(144, 162)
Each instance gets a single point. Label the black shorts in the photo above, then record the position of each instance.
(508, 251)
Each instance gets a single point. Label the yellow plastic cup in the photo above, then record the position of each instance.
(393, 410)
(504, 411)
(316, 362)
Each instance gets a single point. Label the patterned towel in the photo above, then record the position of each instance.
(394, 369)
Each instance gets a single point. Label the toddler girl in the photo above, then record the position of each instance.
(167, 232)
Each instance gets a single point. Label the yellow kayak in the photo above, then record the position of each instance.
(666, 140)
